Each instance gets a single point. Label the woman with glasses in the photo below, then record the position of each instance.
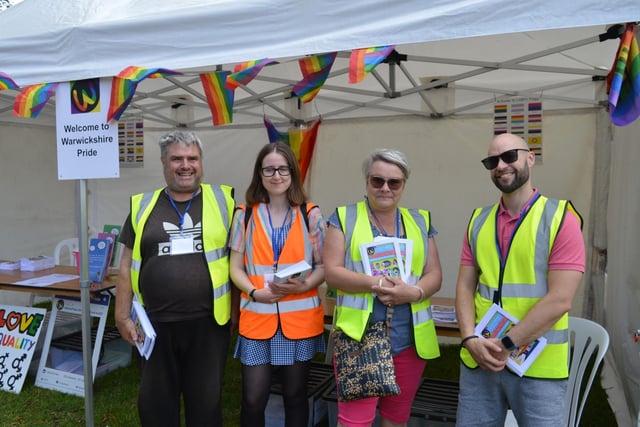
(402, 301)
(281, 320)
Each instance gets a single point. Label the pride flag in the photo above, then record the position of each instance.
(30, 102)
(124, 87)
(6, 82)
(315, 70)
(363, 61)
(245, 72)
(623, 81)
(219, 98)
(301, 140)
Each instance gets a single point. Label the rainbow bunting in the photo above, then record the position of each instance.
(32, 99)
(301, 140)
(245, 72)
(363, 61)
(7, 82)
(124, 87)
(315, 70)
(623, 81)
(219, 98)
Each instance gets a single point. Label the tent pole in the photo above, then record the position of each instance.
(85, 299)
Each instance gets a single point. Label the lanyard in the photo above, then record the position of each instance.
(181, 215)
(497, 296)
(278, 236)
(379, 224)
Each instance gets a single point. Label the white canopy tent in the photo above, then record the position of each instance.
(483, 49)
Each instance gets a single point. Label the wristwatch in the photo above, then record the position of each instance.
(508, 343)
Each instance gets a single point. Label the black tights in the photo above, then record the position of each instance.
(256, 384)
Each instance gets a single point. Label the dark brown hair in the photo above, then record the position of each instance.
(256, 193)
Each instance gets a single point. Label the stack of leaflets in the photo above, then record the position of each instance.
(496, 324)
(387, 256)
(114, 230)
(144, 328)
(99, 256)
(298, 271)
(444, 313)
(37, 263)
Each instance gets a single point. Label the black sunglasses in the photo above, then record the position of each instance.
(394, 184)
(508, 156)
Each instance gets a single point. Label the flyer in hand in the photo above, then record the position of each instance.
(383, 257)
(144, 328)
(299, 270)
(495, 324)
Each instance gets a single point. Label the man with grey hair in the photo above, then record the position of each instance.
(176, 264)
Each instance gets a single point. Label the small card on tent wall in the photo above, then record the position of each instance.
(520, 116)
(87, 143)
(131, 142)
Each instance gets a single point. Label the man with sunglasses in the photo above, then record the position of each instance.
(525, 254)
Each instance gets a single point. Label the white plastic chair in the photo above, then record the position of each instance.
(66, 245)
(589, 343)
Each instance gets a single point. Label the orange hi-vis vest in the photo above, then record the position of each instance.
(299, 315)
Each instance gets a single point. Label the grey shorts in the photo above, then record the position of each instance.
(486, 396)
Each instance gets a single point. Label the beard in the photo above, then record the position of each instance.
(521, 176)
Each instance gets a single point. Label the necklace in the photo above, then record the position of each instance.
(379, 225)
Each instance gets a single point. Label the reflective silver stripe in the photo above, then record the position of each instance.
(557, 336)
(354, 301)
(144, 202)
(282, 307)
(135, 265)
(222, 290)
(485, 291)
(475, 230)
(422, 316)
(349, 225)
(222, 204)
(258, 270)
(216, 254)
(513, 290)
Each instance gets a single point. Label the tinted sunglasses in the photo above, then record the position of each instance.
(508, 156)
(394, 184)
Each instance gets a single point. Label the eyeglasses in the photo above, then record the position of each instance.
(508, 156)
(269, 171)
(394, 184)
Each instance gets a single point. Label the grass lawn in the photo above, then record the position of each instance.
(115, 399)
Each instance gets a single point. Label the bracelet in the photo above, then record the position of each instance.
(251, 294)
(422, 297)
(465, 339)
(380, 282)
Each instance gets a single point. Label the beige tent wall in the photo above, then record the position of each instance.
(447, 177)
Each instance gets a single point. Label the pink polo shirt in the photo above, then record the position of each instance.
(567, 252)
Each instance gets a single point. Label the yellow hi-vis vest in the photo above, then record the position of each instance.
(523, 280)
(354, 309)
(217, 207)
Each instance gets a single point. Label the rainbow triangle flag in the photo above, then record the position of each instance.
(301, 140)
(623, 81)
(363, 61)
(245, 72)
(7, 82)
(30, 102)
(315, 70)
(219, 98)
(124, 87)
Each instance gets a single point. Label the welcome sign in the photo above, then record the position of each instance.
(19, 331)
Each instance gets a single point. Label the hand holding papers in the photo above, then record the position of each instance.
(387, 256)
(298, 271)
(144, 328)
(495, 324)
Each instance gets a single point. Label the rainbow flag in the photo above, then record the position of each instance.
(363, 61)
(245, 72)
(30, 102)
(219, 98)
(301, 140)
(124, 87)
(623, 81)
(315, 70)
(7, 82)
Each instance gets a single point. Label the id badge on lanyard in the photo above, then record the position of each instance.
(181, 244)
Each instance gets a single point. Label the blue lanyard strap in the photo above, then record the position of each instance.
(379, 224)
(278, 236)
(181, 215)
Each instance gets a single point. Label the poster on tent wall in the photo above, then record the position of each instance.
(87, 142)
(523, 117)
(131, 142)
(19, 331)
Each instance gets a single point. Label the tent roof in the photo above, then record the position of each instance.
(49, 41)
